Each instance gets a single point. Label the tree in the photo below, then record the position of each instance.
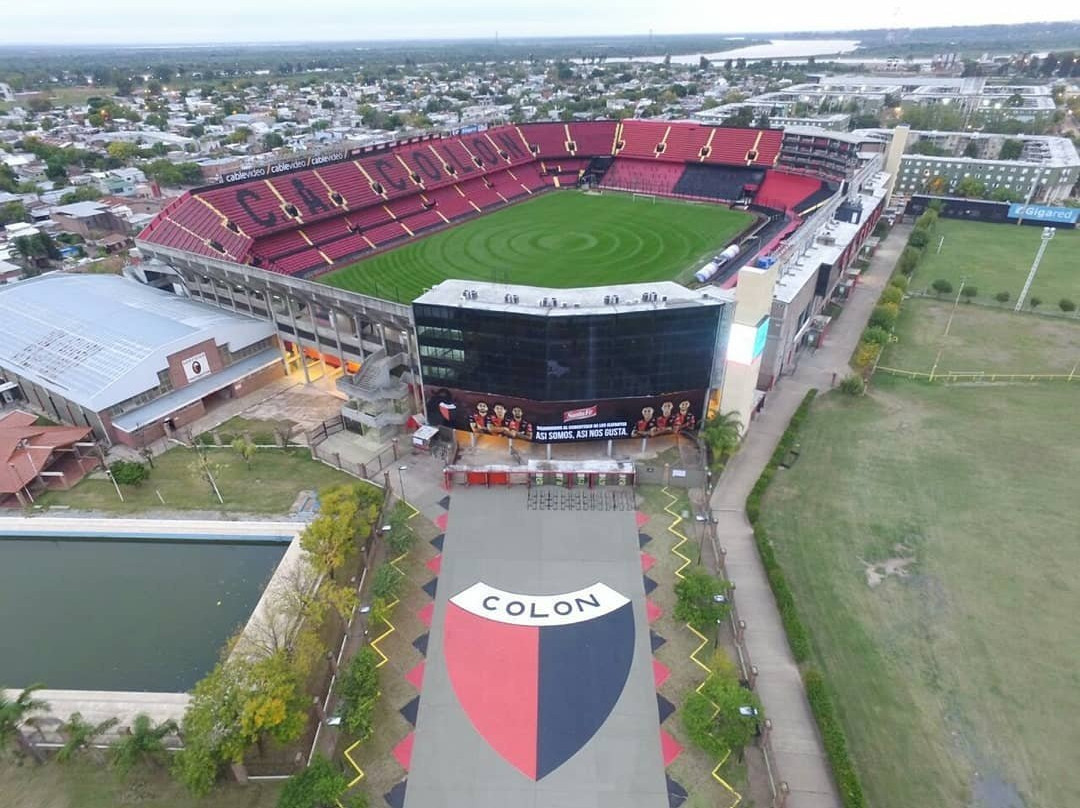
(319, 785)
(969, 292)
(81, 734)
(1034, 301)
(239, 704)
(13, 712)
(736, 712)
(327, 541)
(1066, 305)
(13, 211)
(1002, 297)
(122, 150)
(245, 448)
(703, 600)
(273, 140)
(970, 187)
(359, 690)
(919, 238)
(972, 148)
(144, 743)
(129, 472)
(1011, 150)
(722, 435)
(743, 116)
(941, 287)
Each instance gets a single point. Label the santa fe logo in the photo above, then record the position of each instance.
(538, 675)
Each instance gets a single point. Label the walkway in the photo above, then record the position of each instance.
(797, 750)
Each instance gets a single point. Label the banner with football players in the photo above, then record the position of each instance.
(565, 421)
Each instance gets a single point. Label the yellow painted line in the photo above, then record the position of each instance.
(329, 190)
(223, 217)
(348, 752)
(673, 529)
(755, 146)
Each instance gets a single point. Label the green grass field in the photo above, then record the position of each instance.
(997, 258)
(981, 339)
(561, 240)
(84, 784)
(270, 486)
(929, 533)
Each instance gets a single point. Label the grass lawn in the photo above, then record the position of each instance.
(929, 533)
(270, 486)
(997, 258)
(561, 240)
(981, 339)
(85, 785)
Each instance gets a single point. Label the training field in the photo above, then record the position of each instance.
(997, 258)
(929, 532)
(560, 239)
(982, 339)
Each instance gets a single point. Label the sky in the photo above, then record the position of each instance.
(133, 22)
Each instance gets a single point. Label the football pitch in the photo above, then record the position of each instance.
(928, 532)
(997, 258)
(559, 239)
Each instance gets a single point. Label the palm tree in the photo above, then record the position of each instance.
(81, 734)
(143, 742)
(722, 434)
(13, 712)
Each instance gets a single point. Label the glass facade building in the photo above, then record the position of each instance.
(549, 356)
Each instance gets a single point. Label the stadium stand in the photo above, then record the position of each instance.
(784, 191)
(547, 140)
(592, 138)
(641, 138)
(724, 183)
(642, 176)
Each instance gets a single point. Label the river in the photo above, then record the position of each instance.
(123, 615)
(776, 49)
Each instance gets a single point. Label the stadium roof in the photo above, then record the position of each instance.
(539, 300)
(98, 340)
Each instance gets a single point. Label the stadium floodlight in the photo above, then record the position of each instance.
(1048, 234)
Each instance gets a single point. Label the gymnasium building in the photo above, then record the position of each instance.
(130, 363)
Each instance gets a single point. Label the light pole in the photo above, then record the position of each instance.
(401, 481)
(701, 519)
(1047, 234)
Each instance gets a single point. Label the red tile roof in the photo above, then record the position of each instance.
(26, 449)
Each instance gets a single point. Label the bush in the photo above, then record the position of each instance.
(1034, 302)
(927, 220)
(1002, 297)
(386, 582)
(853, 385)
(798, 639)
(884, 316)
(919, 238)
(359, 691)
(900, 282)
(832, 734)
(875, 335)
(909, 260)
(318, 785)
(969, 292)
(264, 438)
(866, 354)
(696, 602)
(941, 286)
(1066, 305)
(891, 294)
(129, 472)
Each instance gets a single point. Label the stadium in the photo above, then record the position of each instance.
(730, 238)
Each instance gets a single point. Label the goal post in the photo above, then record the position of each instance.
(650, 197)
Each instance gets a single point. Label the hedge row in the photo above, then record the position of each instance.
(883, 318)
(832, 734)
(798, 639)
(847, 780)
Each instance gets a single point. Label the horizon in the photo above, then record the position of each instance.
(129, 24)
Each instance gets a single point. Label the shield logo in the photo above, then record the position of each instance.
(538, 675)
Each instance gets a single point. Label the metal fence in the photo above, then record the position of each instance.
(979, 376)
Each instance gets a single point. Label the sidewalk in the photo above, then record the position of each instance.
(798, 754)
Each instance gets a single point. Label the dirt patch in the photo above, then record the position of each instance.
(897, 566)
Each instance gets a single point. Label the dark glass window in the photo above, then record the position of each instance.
(568, 357)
